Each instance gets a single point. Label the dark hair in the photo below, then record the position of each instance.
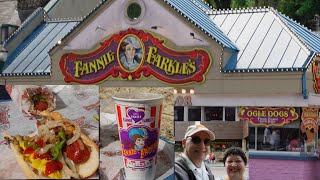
(235, 151)
(123, 45)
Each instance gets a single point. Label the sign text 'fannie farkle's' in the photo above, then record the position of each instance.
(133, 54)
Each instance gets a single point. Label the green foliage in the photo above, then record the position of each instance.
(239, 3)
(302, 11)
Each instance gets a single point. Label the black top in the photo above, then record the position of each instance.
(3, 93)
(183, 172)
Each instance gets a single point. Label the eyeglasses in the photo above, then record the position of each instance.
(197, 140)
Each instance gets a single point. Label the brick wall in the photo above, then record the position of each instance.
(271, 169)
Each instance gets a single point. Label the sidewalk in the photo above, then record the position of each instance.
(217, 164)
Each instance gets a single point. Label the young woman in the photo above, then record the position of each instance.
(138, 136)
(129, 56)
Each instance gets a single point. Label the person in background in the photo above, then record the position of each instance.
(275, 139)
(267, 136)
(213, 158)
(294, 143)
(196, 146)
(234, 160)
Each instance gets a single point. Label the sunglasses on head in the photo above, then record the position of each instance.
(197, 140)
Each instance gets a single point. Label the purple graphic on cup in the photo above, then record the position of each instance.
(139, 142)
(136, 116)
(139, 117)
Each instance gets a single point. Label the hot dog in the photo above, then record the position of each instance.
(41, 99)
(58, 150)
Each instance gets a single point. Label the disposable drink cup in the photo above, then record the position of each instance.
(139, 118)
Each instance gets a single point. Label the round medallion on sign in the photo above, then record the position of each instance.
(130, 53)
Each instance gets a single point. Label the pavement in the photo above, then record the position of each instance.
(9, 13)
(218, 170)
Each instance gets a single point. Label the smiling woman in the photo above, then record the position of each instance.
(235, 161)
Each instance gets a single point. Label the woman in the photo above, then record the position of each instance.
(138, 136)
(129, 55)
(235, 161)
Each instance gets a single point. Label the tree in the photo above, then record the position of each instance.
(303, 11)
(220, 4)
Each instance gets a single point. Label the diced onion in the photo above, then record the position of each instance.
(53, 124)
(43, 132)
(69, 162)
(45, 148)
(81, 145)
(51, 135)
(76, 134)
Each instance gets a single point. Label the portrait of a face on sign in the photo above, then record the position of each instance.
(130, 53)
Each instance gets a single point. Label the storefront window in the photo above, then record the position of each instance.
(277, 138)
(222, 145)
(178, 146)
(178, 113)
(230, 114)
(194, 113)
(213, 113)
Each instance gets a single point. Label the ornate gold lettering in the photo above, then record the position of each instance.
(85, 68)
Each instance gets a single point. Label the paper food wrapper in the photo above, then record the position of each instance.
(32, 99)
(79, 104)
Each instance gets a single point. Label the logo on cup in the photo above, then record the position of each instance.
(135, 115)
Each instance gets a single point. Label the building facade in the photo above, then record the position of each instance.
(239, 72)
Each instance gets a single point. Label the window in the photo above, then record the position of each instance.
(230, 114)
(134, 11)
(194, 113)
(213, 113)
(288, 137)
(274, 138)
(178, 146)
(178, 113)
(223, 145)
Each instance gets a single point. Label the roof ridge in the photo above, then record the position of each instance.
(24, 74)
(229, 44)
(22, 26)
(57, 20)
(200, 6)
(301, 41)
(78, 24)
(283, 16)
(207, 4)
(239, 10)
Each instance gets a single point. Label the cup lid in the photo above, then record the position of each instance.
(137, 97)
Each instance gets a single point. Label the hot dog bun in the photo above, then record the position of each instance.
(88, 168)
(83, 170)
